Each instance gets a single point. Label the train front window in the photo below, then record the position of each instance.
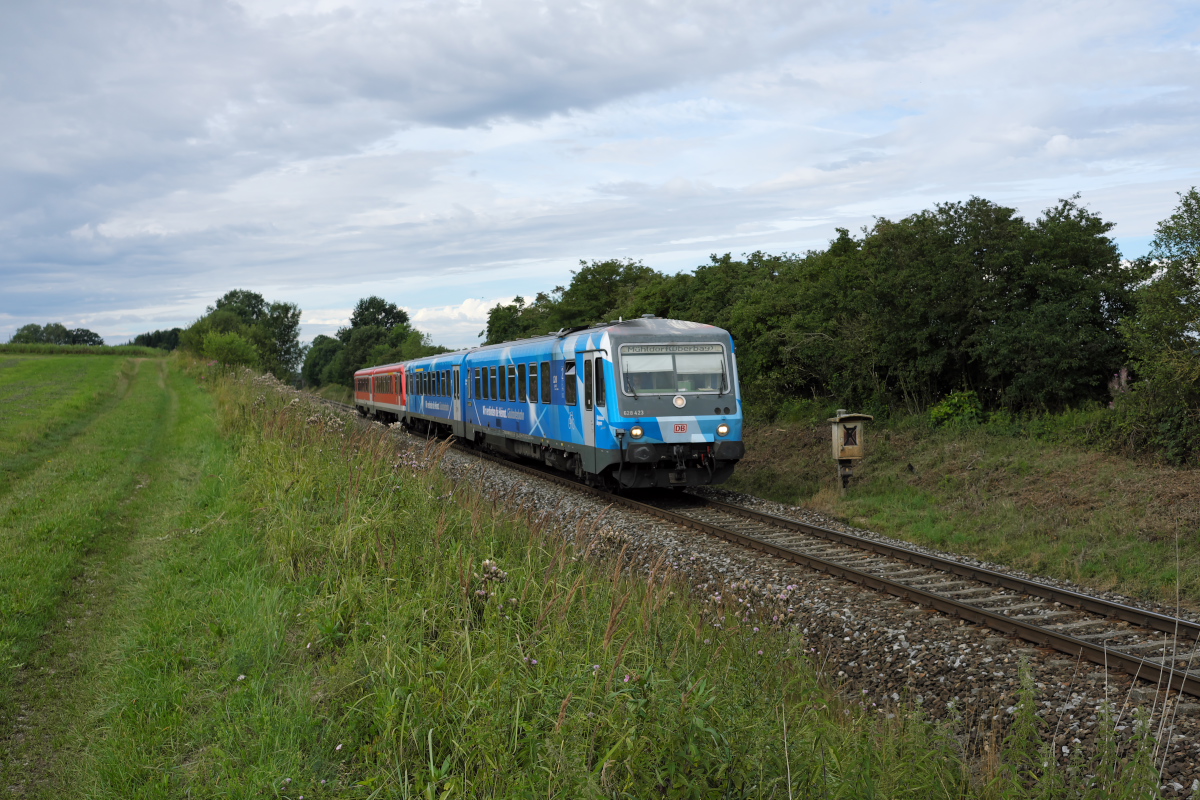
(672, 372)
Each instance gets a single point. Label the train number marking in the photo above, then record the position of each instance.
(681, 427)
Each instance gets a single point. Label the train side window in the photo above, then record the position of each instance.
(569, 387)
(512, 383)
(492, 383)
(478, 383)
(588, 385)
(503, 382)
(546, 386)
(447, 389)
(600, 381)
(533, 382)
(521, 384)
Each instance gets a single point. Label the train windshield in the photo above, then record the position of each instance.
(673, 372)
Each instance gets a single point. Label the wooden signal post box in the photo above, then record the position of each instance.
(849, 441)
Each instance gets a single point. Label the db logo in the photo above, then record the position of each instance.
(681, 427)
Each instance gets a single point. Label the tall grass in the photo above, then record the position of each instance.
(337, 618)
(463, 651)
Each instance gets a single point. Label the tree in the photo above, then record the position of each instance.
(320, 354)
(82, 336)
(249, 307)
(1161, 413)
(377, 312)
(230, 349)
(55, 333)
(277, 337)
(165, 340)
(28, 334)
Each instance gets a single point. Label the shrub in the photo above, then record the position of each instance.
(959, 408)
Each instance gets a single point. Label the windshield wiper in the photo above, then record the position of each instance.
(724, 379)
(629, 386)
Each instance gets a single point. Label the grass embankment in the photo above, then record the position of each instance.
(275, 603)
(335, 392)
(361, 627)
(1052, 508)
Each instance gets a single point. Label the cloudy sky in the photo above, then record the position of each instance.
(453, 153)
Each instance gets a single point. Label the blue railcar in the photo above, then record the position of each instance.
(633, 404)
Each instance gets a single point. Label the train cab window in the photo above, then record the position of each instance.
(533, 384)
(569, 387)
(521, 384)
(546, 386)
(478, 383)
(600, 381)
(588, 386)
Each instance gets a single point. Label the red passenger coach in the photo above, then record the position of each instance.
(383, 389)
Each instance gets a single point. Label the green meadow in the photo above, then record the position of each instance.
(213, 588)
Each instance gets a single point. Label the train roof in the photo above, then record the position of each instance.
(631, 327)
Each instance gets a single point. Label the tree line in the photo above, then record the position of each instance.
(966, 297)
(379, 333)
(242, 328)
(55, 333)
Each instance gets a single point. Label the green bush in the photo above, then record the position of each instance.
(230, 349)
(959, 408)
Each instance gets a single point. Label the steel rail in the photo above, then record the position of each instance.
(1108, 608)
(1143, 669)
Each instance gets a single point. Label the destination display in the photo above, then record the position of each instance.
(662, 349)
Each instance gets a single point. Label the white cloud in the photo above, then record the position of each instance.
(456, 325)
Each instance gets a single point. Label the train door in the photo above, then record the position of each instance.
(456, 401)
(587, 390)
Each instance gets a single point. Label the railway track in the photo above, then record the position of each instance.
(1149, 646)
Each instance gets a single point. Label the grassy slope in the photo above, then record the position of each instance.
(275, 606)
(1053, 509)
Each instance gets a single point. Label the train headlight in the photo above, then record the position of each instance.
(680, 401)
(636, 432)
(722, 429)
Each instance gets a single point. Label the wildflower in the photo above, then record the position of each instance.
(339, 747)
(626, 679)
(534, 662)
(756, 629)
(760, 652)
(595, 667)
(287, 780)
(241, 677)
